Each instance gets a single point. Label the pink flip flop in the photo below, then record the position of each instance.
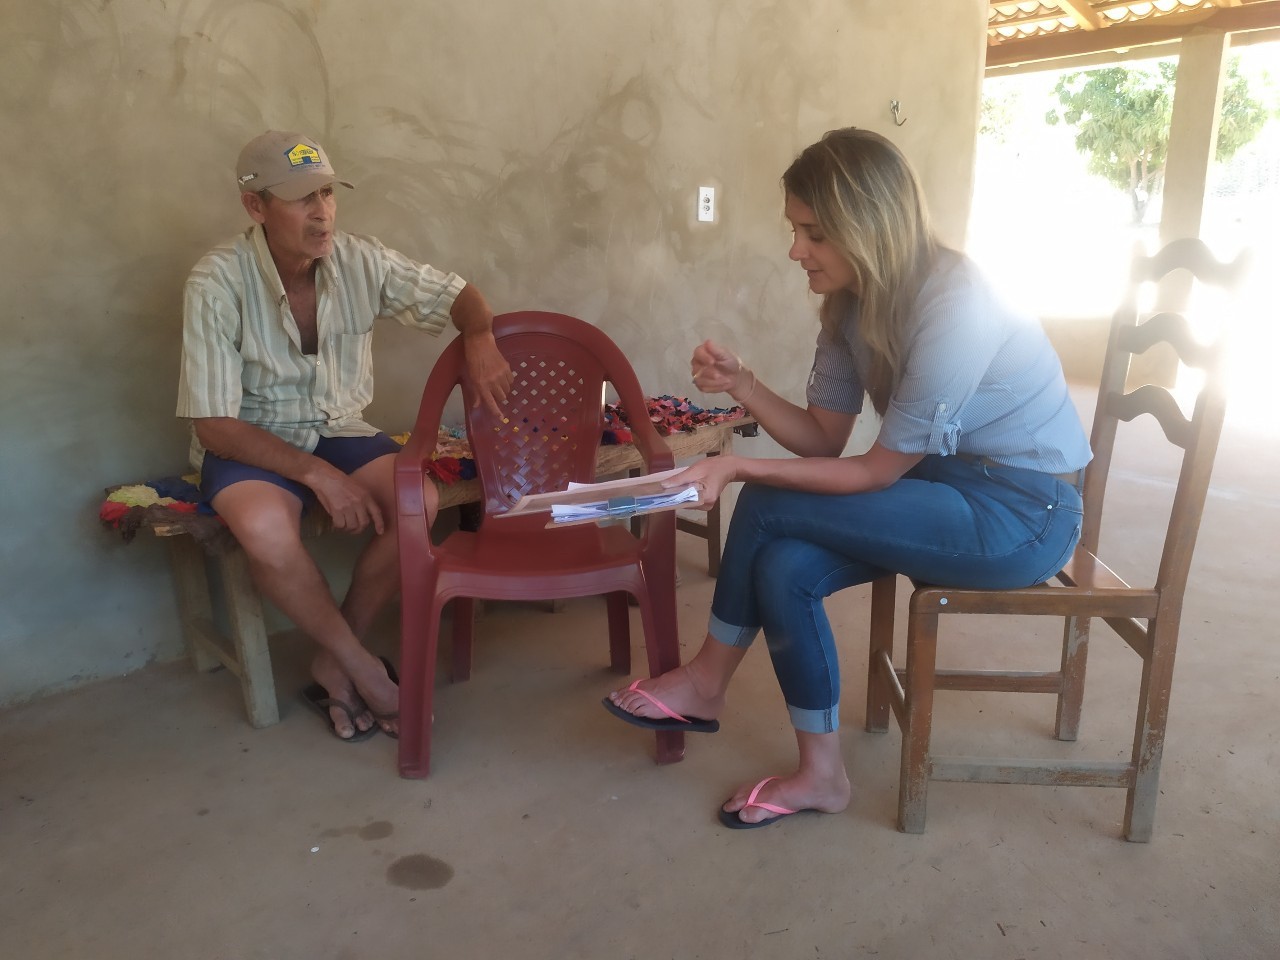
(732, 820)
(672, 720)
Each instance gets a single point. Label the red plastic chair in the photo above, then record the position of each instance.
(548, 436)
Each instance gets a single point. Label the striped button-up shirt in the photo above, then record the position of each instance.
(242, 354)
(979, 379)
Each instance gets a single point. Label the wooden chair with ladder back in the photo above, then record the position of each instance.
(1145, 617)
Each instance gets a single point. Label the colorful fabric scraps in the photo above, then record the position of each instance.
(671, 415)
(174, 500)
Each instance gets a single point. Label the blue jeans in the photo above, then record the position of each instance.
(948, 521)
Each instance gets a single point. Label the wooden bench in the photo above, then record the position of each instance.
(243, 649)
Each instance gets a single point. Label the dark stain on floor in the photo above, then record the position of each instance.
(375, 830)
(419, 872)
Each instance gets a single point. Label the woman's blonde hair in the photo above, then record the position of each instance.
(869, 206)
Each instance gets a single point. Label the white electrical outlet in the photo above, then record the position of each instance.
(706, 204)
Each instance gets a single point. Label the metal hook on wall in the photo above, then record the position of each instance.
(895, 107)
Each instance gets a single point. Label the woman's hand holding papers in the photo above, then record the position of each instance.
(710, 475)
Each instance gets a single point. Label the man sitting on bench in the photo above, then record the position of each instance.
(276, 373)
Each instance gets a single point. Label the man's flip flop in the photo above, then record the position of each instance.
(318, 697)
(732, 820)
(672, 720)
(395, 678)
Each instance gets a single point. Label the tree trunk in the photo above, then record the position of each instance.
(1139, 199)
(1137, 192)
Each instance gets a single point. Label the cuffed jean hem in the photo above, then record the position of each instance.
(730, 634)
(815, 721)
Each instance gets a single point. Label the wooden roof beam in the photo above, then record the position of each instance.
(1082, 12)
(1243, 17)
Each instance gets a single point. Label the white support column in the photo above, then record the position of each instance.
(1193, 132)
(1193, 138)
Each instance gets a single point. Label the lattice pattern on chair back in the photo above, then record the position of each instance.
(551, 428)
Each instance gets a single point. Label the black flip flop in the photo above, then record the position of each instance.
(733, 820)
(673, 721)
(318, 698)
(690, 725)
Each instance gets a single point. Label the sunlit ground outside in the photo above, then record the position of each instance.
(1058, 240)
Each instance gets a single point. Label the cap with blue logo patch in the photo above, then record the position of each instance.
(288, 164)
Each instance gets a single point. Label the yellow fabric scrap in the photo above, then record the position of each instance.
(138, 495)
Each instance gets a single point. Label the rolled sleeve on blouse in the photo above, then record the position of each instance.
(957, 336)
(907, 431)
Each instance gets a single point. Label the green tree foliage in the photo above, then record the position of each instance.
(996, 118)
(1121, 116)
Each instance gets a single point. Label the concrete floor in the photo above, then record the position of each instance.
(142, 817)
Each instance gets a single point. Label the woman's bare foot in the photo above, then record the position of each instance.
(682, 690)
(327, 672)
(803, 790)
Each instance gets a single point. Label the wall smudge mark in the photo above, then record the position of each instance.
(419, 872)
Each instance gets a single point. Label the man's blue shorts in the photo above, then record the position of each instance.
(348, 454)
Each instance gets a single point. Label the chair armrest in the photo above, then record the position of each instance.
(412, 460)
(657, 455)
(411, 472)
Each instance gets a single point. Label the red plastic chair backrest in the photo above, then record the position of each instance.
(552, 422)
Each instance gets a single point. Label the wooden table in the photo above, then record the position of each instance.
(243, 649)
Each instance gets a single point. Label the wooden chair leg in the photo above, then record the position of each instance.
(249, 632)
(1148, 736)
(619, 632)
(884, 595)
(1075, 654)
(913, 779)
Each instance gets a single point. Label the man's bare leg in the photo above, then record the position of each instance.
(265, 519)
(376, 578)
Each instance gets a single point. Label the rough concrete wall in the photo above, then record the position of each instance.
(547, 150)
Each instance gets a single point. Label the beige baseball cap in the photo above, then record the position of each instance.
(288, 164)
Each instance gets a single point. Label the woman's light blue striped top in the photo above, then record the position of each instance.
(980, 378)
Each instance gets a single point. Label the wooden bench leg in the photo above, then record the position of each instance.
(713, 540)
(195, 609)
(249, 633)
(708, 529)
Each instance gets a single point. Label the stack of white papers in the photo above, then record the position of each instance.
(621, 506)
(610, 499)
